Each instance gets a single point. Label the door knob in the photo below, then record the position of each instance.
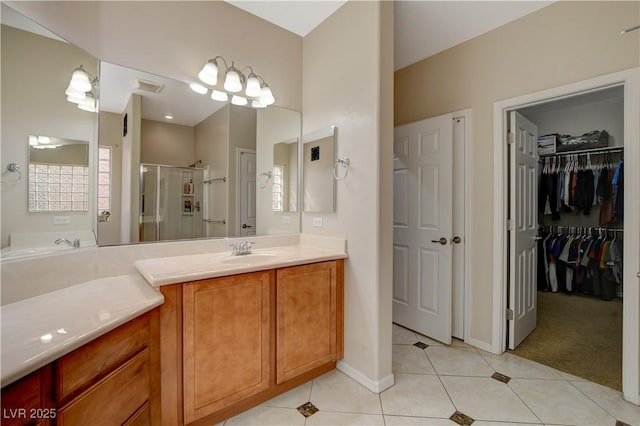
(456, 240)
(244, 226)
(442, 241)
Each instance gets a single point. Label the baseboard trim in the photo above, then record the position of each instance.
(480, 345)
(375, 386)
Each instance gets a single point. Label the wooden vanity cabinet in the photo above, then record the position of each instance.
(29, 400)
(112, 380)
(306, 309)
(231, 343)
(227, 332)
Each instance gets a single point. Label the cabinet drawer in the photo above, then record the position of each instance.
(84, 366)
(113, 399)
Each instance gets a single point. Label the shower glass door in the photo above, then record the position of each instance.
(171, 203)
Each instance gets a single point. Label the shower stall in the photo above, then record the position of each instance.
(171, 203)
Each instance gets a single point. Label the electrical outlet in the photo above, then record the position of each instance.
(286, 220)
(317, 222)
(61, 220)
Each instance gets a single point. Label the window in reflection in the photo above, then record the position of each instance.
(58, 187)
(277, 188)
(104, 178)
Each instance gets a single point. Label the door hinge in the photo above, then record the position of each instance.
(509, 225)
(510, 314)
(511, 138)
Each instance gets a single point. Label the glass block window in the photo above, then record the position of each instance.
(278, 189)
(104, 178)
(58, 187)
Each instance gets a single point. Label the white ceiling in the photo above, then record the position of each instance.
(422, 28)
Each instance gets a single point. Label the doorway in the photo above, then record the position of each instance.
(246, 190)
(431, 225)
(628, 80)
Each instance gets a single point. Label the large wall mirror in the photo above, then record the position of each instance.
(50, 141)
(164, 162)
(185, 166)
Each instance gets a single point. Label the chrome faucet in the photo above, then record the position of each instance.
(74, 244)
(240, 249)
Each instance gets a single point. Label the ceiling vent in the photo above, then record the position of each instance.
(148, 86)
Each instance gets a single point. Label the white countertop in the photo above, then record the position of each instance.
(41, 329)
(177, 269)
(38, 329)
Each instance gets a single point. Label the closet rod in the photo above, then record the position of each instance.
(559, 228)
(606, 150)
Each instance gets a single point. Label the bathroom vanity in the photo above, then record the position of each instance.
(199, 339)
(235, 337)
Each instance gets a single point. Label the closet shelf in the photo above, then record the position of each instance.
(607, 150)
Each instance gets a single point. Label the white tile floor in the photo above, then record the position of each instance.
(431, 384)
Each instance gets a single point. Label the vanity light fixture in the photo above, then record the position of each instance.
(238, 100)
(217, 95)
(253, 86)
(198, 88)
(80, 90)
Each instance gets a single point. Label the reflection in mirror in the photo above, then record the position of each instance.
(285, 176)
(58, 174)
(317, 167)
(36, 69)
(183, 138)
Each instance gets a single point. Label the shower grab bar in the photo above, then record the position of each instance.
(222, 221)
(222, 179)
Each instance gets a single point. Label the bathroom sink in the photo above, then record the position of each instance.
(250, 259)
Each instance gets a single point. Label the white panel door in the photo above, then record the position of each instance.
(523, 213)
(422, 216)
(247, 194)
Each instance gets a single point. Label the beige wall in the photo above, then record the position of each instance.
(274, 125)
(242, 134)
(347, 82)
(167, 143)
(130, 195)
(559, 44)
(35, 73)
(135, 34)
(212, 147)
(111, 136)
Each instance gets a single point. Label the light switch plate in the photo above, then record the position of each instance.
(286, 220)
(317, 221)
(61, 220)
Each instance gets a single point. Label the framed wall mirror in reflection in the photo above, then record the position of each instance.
(318, 165)
(39, 207)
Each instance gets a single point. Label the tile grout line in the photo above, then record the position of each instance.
(442, 384)
(594, 401)
(524, 402)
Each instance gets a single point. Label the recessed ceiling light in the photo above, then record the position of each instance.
(169, 117)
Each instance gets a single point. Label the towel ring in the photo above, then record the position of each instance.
(344, 162)
(264, 178)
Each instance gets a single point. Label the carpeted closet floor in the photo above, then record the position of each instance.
(579, 335)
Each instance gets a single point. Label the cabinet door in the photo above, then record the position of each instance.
(306, 318)
(226, 341)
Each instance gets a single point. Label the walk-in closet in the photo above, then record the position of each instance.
(580, 199)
